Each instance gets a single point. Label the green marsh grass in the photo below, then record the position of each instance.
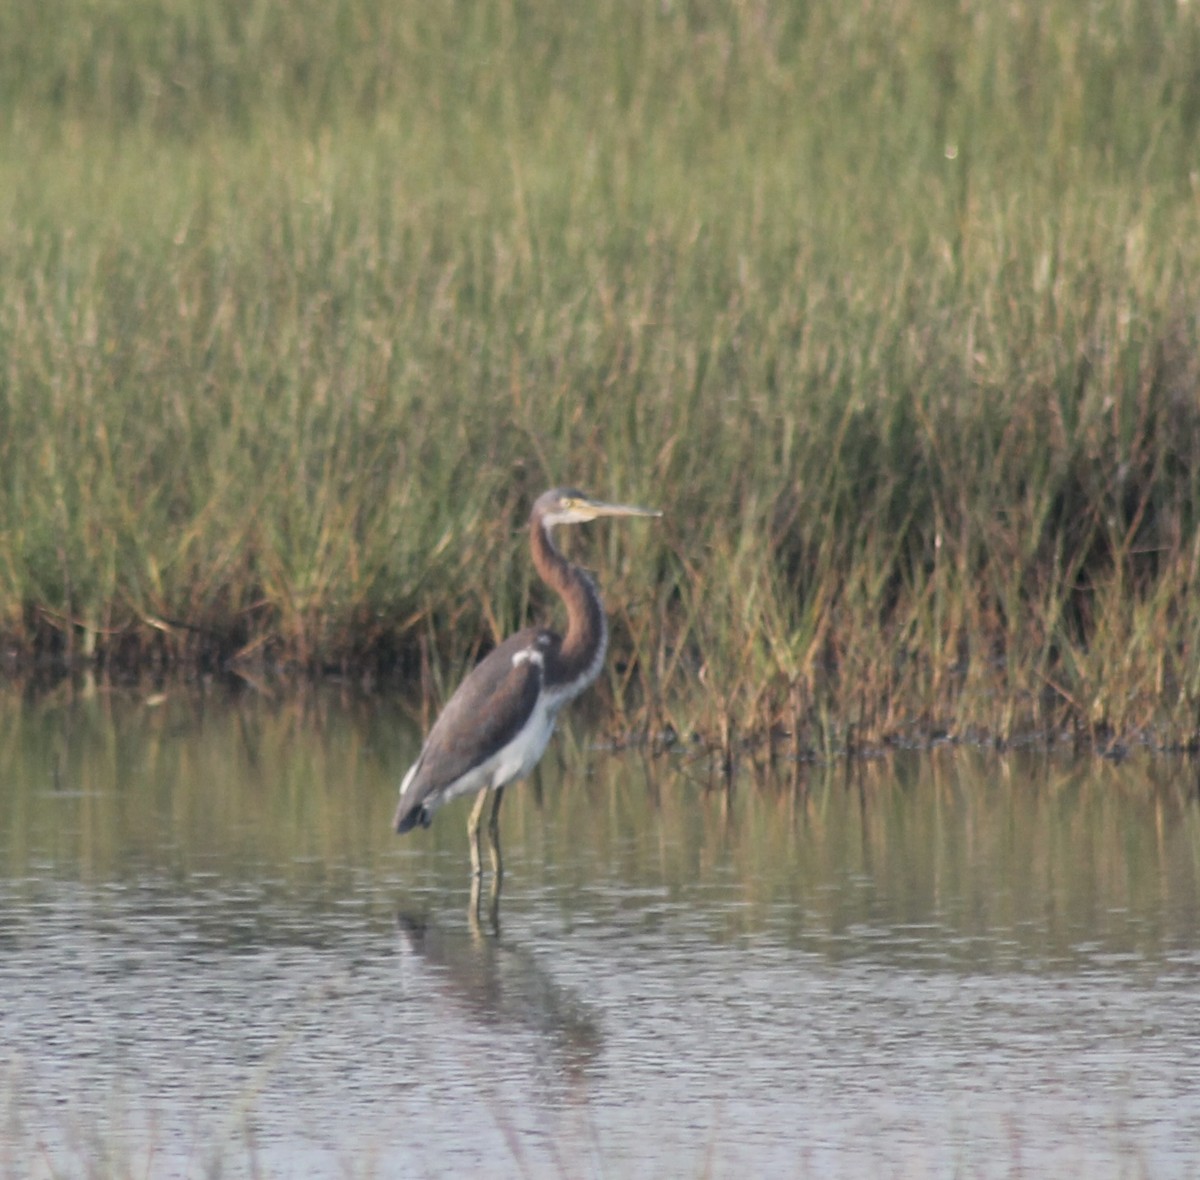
(891, 308)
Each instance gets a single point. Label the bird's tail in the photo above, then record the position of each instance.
(410, 816)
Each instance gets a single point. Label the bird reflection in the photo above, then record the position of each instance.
(496, 982)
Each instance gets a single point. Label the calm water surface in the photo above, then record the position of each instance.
(215, 959)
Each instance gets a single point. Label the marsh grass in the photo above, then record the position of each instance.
(892, 308)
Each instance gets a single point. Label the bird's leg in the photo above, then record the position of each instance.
(494, 905)
(473, 832)
(494, 835)
(475, 909)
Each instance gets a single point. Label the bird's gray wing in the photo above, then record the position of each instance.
(485, 713)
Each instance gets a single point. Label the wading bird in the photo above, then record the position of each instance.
(496, 726)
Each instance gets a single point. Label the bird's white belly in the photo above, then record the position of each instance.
(521, 755)
(507, 764)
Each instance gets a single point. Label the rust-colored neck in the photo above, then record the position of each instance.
(577, 662)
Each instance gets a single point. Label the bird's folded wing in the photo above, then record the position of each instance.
(485, 713)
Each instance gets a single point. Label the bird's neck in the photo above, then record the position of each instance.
(586, 639)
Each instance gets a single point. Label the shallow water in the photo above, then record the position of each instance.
(215, 958)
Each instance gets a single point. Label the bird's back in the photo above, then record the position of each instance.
(486, 712)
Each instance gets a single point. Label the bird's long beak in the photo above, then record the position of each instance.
(602, 509)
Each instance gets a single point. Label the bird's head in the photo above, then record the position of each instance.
(571, 506)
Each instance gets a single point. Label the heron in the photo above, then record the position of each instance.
(496, 725)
